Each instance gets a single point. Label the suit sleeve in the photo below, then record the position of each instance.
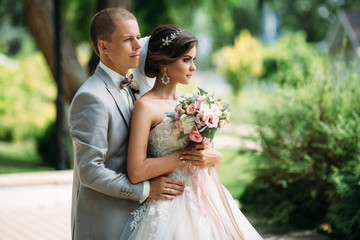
(88, 121)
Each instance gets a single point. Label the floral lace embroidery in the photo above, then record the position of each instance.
(138, 215)
(161, 143)
(159, 209)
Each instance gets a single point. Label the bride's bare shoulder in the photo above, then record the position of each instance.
(146, 103)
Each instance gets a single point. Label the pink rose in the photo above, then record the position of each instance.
(197, 105)
(217, 103)
(178, 125)
(211, 120)
(198, 119)
(216, 110)
(177, 115)
(190, 110)
(195, 136)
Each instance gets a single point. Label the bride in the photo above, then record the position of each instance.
(205, 210)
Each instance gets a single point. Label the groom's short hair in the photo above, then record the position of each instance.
(102, 24)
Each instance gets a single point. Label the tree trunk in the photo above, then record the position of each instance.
(39, 19)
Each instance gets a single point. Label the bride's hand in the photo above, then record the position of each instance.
(190, 146)
(202, 155)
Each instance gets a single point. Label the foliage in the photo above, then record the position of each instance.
(241, 61)
(310, 155)
(313, 17)
(77, 16)
(26, 97)
(291, 60)
(12, 32)
(344, 211)
(19, 157)
(46, 147)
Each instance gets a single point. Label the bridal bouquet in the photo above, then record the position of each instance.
(200, 116)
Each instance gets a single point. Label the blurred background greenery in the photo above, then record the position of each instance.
(292, 69)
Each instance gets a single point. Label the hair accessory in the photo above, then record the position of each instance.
(167, 41)
(165, 76)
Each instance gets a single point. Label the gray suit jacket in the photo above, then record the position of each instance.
(103, 196)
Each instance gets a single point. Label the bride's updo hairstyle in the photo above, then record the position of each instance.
(167, 44)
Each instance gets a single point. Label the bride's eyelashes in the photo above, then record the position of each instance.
(188, 59)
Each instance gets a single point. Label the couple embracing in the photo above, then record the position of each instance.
(142, 182)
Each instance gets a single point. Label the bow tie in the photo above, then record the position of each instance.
(126, 82)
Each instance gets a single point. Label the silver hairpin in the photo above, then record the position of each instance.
(167, 41)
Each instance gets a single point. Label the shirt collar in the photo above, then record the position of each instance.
(115, 77)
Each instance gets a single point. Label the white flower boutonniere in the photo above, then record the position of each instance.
(135, 89)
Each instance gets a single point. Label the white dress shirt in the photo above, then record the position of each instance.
(117, 79)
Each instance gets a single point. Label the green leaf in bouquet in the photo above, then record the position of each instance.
(183, 116)
(213, 93)
(182, 135)
(195, 97)
(170, 114)
(175, 109)
(208, 100)
(203, 129)
(205, 132)
(212, 132)
(225, 107)
(202, 91)
(183, 102)
(225, 104)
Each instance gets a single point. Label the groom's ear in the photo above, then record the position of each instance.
(102, 46)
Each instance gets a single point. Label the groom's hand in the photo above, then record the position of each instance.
(165, 188)
(202, 155)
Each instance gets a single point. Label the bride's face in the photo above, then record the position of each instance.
(182, 69)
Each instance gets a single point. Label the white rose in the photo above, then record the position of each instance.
(188, 124)
(204, 108)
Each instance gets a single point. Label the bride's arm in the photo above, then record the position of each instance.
(139, 167)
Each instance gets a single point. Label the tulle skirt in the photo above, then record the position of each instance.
(206, 210)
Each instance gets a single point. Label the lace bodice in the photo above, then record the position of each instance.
(203, 211)
(162, 140)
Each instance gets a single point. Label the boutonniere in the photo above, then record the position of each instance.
(134, 87)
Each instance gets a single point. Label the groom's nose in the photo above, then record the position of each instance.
(136, 44)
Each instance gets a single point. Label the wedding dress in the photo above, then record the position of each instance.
(205, 210)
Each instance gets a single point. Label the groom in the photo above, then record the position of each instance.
(99, 123)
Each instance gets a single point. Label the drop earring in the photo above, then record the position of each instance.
(165, 76)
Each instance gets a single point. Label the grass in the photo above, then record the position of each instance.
(252, 98)
(235, 171)
(20, 157)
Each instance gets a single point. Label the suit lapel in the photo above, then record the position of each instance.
(120, 102)
(116, 94)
